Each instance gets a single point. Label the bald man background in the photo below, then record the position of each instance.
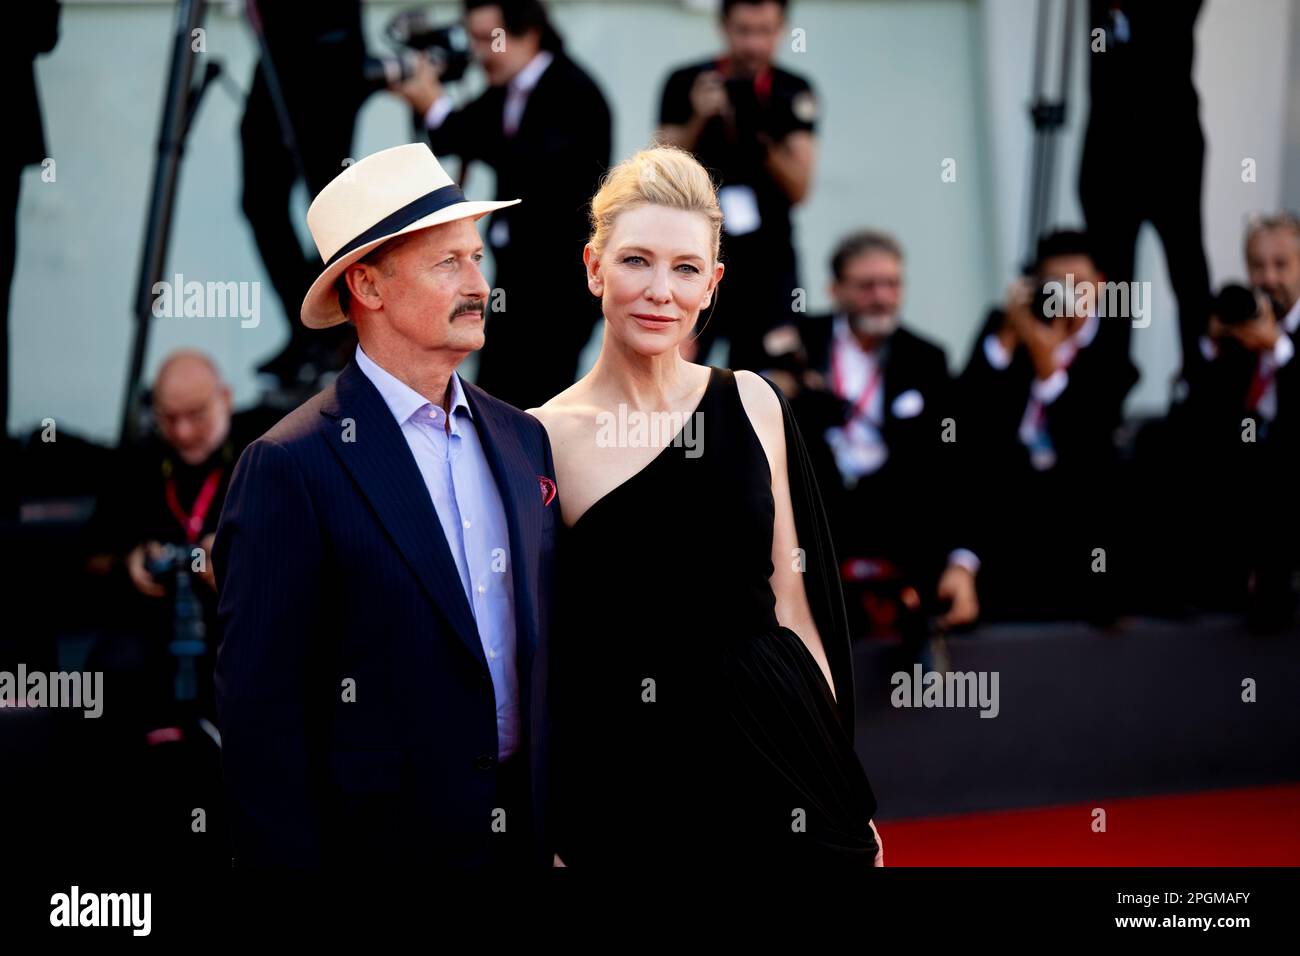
(168, 490)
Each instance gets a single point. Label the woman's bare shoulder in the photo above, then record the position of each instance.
(763, 408)
(566, 413)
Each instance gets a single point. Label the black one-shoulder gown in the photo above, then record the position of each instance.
(689, 727)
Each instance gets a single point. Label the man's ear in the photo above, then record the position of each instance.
(360, 277)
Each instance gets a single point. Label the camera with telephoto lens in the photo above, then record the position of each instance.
(1236, 304)
(411, 34)
(189, 630)
(1041, 308)
(171, 559)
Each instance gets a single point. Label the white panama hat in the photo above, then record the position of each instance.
(386, 194)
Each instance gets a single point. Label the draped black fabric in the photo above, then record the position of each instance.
(690, 726)
(822, 571)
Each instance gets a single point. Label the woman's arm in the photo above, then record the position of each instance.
(792, 607)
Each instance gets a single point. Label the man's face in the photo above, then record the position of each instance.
(1085, 276)
(752, 31)
(871, 291)
(1273, 264)
(430, 289)
(193, 413)
(501, 55)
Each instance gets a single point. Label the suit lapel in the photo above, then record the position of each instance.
(374, 451)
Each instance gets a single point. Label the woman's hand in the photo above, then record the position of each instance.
(880, 845)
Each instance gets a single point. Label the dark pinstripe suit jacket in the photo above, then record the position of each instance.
(358, 719)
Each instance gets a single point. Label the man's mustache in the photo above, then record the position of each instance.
(467, 306)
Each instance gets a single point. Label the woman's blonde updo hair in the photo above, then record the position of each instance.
(659, 176)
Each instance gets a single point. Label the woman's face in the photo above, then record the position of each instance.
(654, 276)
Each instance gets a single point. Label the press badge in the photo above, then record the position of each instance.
(859, 450)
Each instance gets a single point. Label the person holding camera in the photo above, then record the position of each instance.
(156, 524)
(545, 129)
(1273, 265)
(1237, 428)
(1039, 402)
(875, 395)
(752, 125)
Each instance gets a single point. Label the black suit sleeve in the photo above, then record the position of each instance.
(466, 131)
(266, 559)
(1083, 419)
(675, 101)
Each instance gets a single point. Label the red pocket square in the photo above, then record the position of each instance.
(548, 489)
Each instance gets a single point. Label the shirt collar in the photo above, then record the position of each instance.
(402, 400)
(840, 325)
(526, 79)
(1291, 321)
(1088, 331)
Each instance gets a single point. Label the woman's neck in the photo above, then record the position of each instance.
(644, 382)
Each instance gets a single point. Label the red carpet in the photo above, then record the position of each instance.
(1254, 826)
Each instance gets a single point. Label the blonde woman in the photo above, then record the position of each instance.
(702, 683)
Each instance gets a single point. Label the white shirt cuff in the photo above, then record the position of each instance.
(965, 558)
(1049, 389)
(438, 112)
(996, 352)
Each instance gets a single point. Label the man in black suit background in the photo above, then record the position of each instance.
(1040, 400)
(315, 52)
(1142, 81)
(1238, 427)
(877, 394)
(544, 127)
(383, 564)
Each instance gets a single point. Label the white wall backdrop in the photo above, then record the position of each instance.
(905, 84)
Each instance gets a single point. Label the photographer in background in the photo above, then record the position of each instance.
(163, 506)
(1273, 265)
(752, 125)
(1237, 429)
(1039, 403)
(872, 400)
(544, 127)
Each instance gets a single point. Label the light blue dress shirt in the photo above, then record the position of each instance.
(468, 504)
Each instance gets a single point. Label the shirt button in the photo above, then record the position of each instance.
(492, 655)
(466, 522)
(482, 589)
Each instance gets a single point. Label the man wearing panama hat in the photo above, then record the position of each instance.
(384, 562)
